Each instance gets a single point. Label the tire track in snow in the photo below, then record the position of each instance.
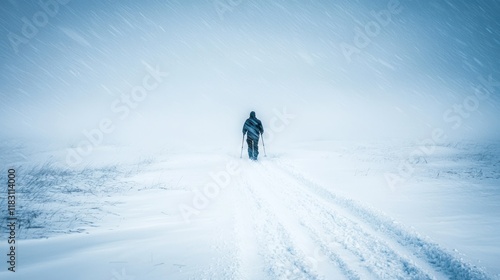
(281, 257)
(431, 253)
(249, 261)
(367, 255)
(343, 271)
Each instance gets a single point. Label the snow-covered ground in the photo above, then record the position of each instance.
(122, 120)
(318, 210)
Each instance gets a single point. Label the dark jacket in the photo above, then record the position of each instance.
(253, 127)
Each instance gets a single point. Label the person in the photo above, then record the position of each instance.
(253, 129)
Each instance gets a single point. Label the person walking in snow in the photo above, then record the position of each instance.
(253, 128)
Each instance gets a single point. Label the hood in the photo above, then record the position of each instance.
(252, 114)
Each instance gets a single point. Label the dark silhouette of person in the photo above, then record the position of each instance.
(253, 128)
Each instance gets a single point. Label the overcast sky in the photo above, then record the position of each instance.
(343, 69)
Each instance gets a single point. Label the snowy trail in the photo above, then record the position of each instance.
(288, 227)
(272, 221)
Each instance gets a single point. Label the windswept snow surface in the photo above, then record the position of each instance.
(320, 210)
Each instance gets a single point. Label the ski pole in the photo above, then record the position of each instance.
(263, 145)
(242, 140)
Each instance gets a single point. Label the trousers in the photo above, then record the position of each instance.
(253, 148)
